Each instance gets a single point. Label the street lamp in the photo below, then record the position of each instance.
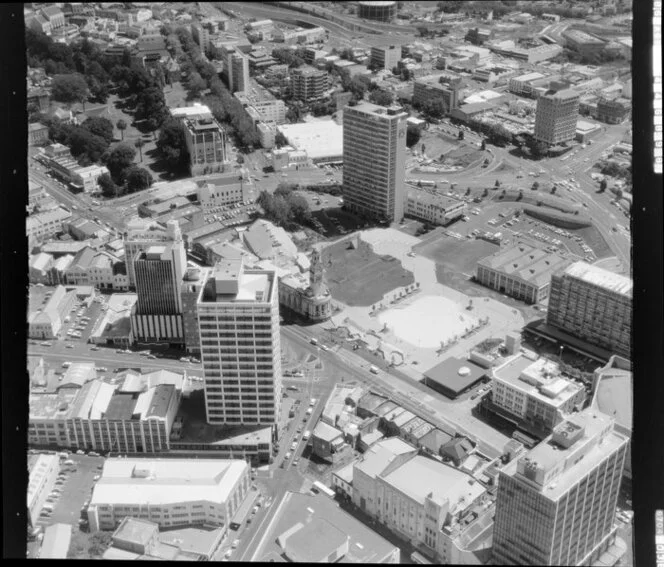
(560, 356)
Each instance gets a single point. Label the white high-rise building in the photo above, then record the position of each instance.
(374, 160)
(238, 71)
(238, 318)
(557, 114)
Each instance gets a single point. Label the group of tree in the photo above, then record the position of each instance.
(381, 97)
(284, 207)
(496, 134)
(124, 175)
(616, 170)
(413, 135)
(288, 57)
(357, 85)
(436, 108)
(87, 142)
(172, 146)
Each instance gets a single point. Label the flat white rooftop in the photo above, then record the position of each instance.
(319, 139)
(601, 277)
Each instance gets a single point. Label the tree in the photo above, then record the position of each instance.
(294, 113)
(553, 190)
(461, 135)
(497, 184)
(139, 144)
(619, 194)
(537, 148)
(138, 179)
(485, 193)
(381, 97)
(467, 191)
(413, 135)
(602, 185)
(535, 186)
(150, 103)
(172, 145)
(122, 126)
(118, 160)
(483, 147)
(107, 186)
(101, 127)
(195, 84)
(85, 144)
(280, 140)
(69, 88)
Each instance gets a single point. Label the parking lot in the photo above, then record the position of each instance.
(231, 215)
(73, 489)
(82, 321)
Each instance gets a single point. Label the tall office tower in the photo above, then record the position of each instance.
(556, 116)
(238, 317)
(594, 305)
(136, 241)
(238, 71)
(308, 83)
(556, 505)
(157, 314)
(374, 160)
(386, 56)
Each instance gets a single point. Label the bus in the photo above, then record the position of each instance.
(527, 441)
(417, 557)
(320, 487)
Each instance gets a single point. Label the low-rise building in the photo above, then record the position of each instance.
(300, 35)
(613, 111)
(37, 134)
(46, 224)
(42, 471)
(433, 207)
(534, 392)
(430, 88)
(454, 376)
(322, 141)
(170, 492)
(527, 54)
(583, 42)
(47, 310)
(522, 271)
(326, 441)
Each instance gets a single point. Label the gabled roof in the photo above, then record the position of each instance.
(458, 448)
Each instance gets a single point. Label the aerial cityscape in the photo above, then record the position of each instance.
(330, 281)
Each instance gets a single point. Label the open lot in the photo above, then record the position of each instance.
(459, 256)
(359, 277)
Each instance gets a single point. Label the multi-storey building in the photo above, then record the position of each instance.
(556, 505)
(159, 271)
(556, 116)
(433, 207)
(238, 315)
(534, 392)
(42, 472)
(46, 224)
(206, 142)
(613, 111)
(134, 416)
(386, 56)
(47, 312)
(309, 297)
(237, 65)
(308, 83)
(594, 305)
(523, 84)
(136, 241)
(169, 492)
(374, 146)
(192, 284)
(430, 88)
(522, 271)
(582, 42)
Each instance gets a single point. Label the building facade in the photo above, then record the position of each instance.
(192, 284)
(170, 492)
(613, 111)
(385, 57)
(308, 83)
(430, 88)
(238, 71)
(594, 305)
(433, 207)
(238, 315)
(374, 146)
(556, 116)
(556, 505)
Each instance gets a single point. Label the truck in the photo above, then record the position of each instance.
(313, 341)
(373, 369)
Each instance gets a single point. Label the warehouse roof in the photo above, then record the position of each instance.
(601, 278)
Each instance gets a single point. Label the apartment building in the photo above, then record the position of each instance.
(308, 83)
(238, 315)
(556, 505)
(385, 57)
(42, 472)
(521, 271)
(433, 207)
(534, 392)
(237, 65)
(44, 225)
(159, 271)
(594, 305)
(556, 116)
(430, 88)
(374, 150)
(169, 492)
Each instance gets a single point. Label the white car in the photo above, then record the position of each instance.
(235, 544)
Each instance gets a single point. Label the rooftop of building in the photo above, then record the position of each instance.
(579, 35)
(434, 199)
(326, 432)
(376, 459)
(193, 539)
(230, 281)
(371, 401)
(455, 374)
(135, 531)
(555, 467)
(55, 544)
(540, 379)
(421, 477)
(600, 277)
(529, 263)
(320, 139)
(614, 393)
(376, 110)
(329, 523)
(38, 467)
(197, 109)
(164, 481)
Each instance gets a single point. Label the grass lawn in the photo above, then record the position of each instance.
(359, 277)
(595, 240)
(458, 255)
